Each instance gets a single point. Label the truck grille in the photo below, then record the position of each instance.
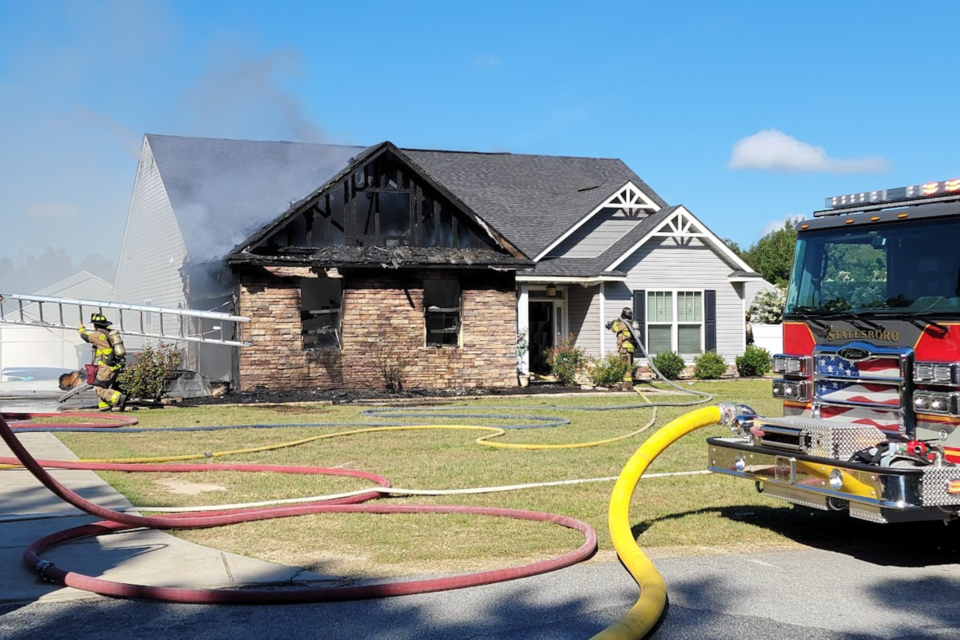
(862, 384)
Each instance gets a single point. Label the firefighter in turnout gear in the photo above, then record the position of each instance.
(108, 356)
(626, 343)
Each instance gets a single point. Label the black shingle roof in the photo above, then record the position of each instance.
(530, 199)
(222, 191)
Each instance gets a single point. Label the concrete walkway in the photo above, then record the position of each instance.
(29, 511)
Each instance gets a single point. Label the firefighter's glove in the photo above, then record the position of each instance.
(609, 325)
(111, 360)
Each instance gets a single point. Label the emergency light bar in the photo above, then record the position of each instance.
(913, 192)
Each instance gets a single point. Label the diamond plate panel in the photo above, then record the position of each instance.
(829, 439)
(802, 498)
(880, 515)
(935, 484)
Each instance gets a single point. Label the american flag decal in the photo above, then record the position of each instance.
(860, 392)
(828, 365)
(888, 421)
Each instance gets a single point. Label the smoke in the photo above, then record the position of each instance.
(244, 98)
(85, 82)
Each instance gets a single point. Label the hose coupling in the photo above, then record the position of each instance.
(728, 413)
(739, 417)
(42, 567)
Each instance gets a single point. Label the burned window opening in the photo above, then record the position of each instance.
(380, 205)
(441, 310)
(321, 301)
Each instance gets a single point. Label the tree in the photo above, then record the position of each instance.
(733, 246)
(772, 255)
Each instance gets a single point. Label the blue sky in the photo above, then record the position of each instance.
(745, 112)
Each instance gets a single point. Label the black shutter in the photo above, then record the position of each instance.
(640, 314)
(710, 320)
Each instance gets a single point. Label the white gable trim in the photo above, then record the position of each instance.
(629, 198)
(683, 224)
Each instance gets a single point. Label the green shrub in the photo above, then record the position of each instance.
(147, 377)
(755, 361)
(566, 361)
(669, 363)
(709, 365)
(607, 372)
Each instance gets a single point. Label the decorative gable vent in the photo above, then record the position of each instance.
(630, 203)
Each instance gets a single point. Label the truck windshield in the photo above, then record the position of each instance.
(901, 267)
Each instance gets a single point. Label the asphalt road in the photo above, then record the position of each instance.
(801, 595)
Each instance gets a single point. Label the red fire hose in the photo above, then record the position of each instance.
(118, 521)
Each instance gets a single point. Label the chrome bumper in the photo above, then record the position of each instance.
(872, 493)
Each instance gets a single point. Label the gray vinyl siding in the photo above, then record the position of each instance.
(666, 263)
(596, 235)
(583, 309)
(153, 249)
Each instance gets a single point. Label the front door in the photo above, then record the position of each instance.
(541, 335)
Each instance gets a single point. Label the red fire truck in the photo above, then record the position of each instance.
(870, 369)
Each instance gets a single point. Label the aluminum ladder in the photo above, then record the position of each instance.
(160, 323)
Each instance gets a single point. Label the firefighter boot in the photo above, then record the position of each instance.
(122, 402)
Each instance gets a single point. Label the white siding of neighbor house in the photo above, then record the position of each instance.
(583, 310)
(596, 235)
(153, 249)
(666, 263)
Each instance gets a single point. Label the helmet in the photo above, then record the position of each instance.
(627, 313)
(99, 319)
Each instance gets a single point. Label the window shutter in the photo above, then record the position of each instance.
(640, 314)
(710, 320)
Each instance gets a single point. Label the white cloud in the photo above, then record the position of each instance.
(52, 212)
(772, 150)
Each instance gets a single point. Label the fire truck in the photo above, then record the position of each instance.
(869, 376)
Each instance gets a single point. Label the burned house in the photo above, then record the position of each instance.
(371, 267)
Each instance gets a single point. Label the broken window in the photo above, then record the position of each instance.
(320, 306)
(441, 310)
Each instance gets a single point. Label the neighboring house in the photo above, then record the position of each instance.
(29, 347)
(372, 266)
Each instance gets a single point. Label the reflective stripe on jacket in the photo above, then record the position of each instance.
(625, 338)
(102, 349)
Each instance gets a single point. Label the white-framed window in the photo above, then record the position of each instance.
(675, 322)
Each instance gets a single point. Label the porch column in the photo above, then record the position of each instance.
(523, 321)
(603, 314)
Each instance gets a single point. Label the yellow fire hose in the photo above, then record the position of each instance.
(638, 621)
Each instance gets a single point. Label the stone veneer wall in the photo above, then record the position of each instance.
(382, 323)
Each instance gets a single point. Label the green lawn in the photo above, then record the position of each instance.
(681, 514)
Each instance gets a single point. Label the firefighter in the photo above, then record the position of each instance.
(108, 356)
(626, 343)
